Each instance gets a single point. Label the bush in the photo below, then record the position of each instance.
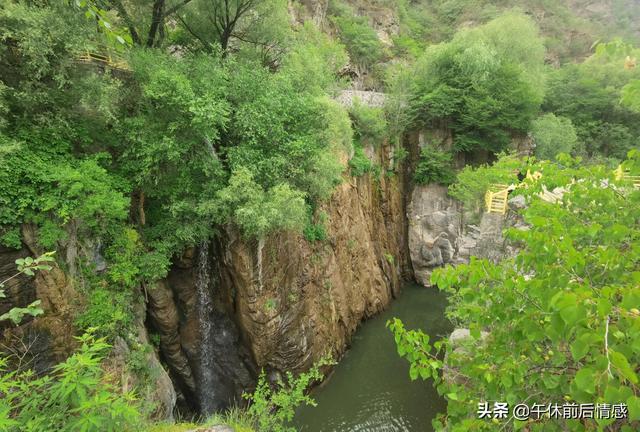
(271, 409)
(360, 163)
(553, 135)
(363, 45)
(434, 166)
(108, 312)
(75, 397)
(472, 183)
(370, 124)
(316, 228)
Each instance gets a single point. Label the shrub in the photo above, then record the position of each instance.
(369, 123)
(360, 163)
(315, 232)
(434, 166)
(108, 312)
(272, 408)
(472, 183)
(553, 135)
(75, 397)
(363, 45)
(316, 228)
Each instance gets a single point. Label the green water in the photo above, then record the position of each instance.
(370, 390)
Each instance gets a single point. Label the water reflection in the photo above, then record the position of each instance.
(370, 389)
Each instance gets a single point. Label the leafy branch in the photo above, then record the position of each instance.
(27, 266)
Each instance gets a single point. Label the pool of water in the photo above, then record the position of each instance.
(370, 389)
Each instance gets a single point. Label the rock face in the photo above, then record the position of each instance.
(37, 344)
(295, 301)
(435, 228)
(41, 343)
(440, 233)
(201, 345)
(281, 303)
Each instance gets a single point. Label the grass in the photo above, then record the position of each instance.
(236, 418)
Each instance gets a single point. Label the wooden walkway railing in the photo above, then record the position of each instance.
(108, 59)
(496, 198)
(625, 175)
(497, 195)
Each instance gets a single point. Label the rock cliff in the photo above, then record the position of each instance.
(282, 302)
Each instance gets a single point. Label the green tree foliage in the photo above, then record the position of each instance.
(75, 397)
(369, 123)
(360, 164)
(434, 166)
(355, 32)
(272, 409)
(553, 135)
(314, 61)
(486, 84)
(589, 95)
(232, 25)
(569, 28)
(258, 212)
(615, 50)
(563, 311)
(473, 182)
(156, 148)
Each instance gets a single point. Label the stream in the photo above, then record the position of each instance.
(370, 389)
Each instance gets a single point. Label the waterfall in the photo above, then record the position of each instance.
(206, 385)
(259, 254)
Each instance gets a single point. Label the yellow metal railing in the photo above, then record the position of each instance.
(496, 198)
(622, 174)
(537, 175)
(107, 58)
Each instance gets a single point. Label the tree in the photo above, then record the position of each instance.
(486, 84)
(553, 135)
(261, 23)
(557, 323)
(589, 94)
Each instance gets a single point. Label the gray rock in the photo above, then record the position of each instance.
(459, 339)
(518, 202)
(434, 230)
(460, 335)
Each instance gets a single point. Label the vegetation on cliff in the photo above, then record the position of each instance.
(131, 131)
(558, 322)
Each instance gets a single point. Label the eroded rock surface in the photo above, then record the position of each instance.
(435, 227)
(296, 301)
(36, 344)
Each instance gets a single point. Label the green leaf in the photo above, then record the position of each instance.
(585, 381)
(579, 349)
(622, 364)
(634, 408)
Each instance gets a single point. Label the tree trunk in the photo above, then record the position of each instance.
(156, 21)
